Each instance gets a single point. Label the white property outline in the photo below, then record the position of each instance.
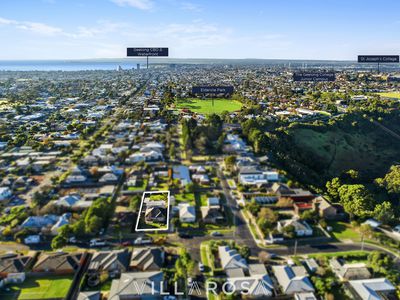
(140, 212)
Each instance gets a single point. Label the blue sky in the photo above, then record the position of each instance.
(291, 29)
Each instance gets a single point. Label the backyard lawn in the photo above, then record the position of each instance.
(139, 187)
(54, 287)
(184, 197)
(205, 106)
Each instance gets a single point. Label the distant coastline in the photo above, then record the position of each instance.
(131, 63)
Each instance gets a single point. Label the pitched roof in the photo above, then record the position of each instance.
(151, 258)
(298, 225)
(186, 210)
(103, 260)
(211, 212)
(14, 263)
(40, 221)
(155, 212)
(230, 258)
(68, 200)
(58, 262)
(135, 284)
(293, 279)
(256, 285)
(368, 289)
(89, 296)
(350, 271)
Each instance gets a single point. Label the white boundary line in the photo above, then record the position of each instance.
(140, 212)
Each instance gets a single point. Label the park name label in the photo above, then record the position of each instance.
(212, 90)
(378, 58)
(147, 51)
(314, 76)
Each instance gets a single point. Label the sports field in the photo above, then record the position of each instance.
(205, 106)
(390, 95)
(54, 287)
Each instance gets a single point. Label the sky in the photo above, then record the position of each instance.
(270, 29)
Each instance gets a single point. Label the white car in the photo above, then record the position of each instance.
(201, 267)
(142, 241)
(97, 243)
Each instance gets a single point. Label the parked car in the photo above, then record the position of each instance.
(201, 267)
(32, 239)
(142, 241)
(216, 234)
(97, 243)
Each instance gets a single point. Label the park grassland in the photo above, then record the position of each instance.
(51, 287)
(205, 106)
(394, 95)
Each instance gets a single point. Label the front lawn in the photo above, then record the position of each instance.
(54, 287)
(206, 259)
(343, 231)
(349, 256)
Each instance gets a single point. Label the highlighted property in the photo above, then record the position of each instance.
(154, 211)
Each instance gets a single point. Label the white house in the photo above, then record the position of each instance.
(201, 178)
(152, 147)
(231, 259)
(252, 176)
(272, 175)
(63, 220)
(67, 201)
(5, 193)
(187, 213)
(301, 227)
(145, 156)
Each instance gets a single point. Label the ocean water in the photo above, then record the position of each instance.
(67, 65)
(131, 63)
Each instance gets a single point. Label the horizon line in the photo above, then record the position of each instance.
(175, 58)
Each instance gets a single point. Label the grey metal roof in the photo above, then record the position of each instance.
(293, 279)
(368, 289)
(135, 284)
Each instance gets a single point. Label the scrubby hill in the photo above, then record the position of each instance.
(314, 153)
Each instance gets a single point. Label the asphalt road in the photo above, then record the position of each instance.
(242, 233)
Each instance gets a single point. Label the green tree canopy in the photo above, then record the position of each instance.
(391, 181)
(356, 200)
